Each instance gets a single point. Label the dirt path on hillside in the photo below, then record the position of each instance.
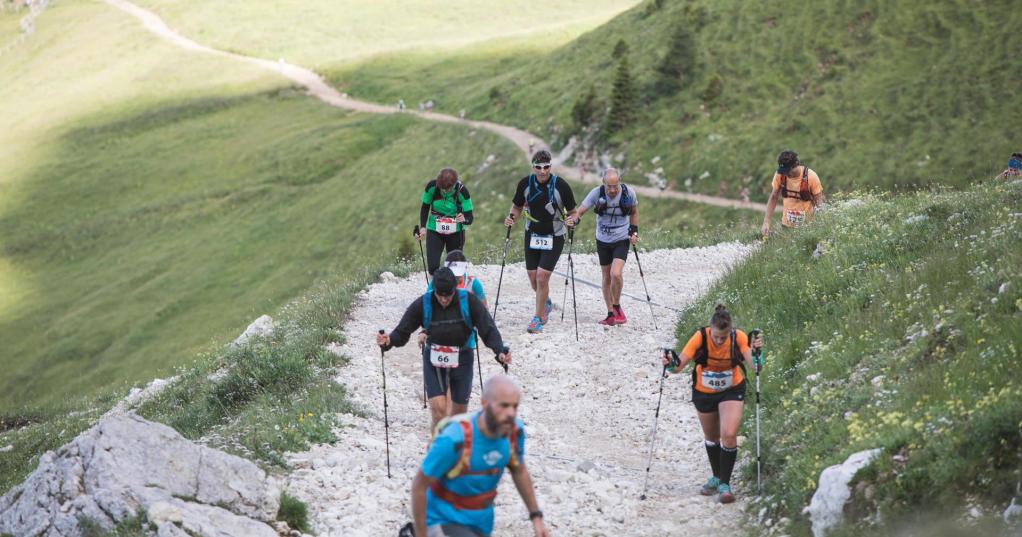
(588, 408)
(326, 93)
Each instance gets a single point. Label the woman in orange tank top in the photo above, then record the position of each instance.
(721, 354)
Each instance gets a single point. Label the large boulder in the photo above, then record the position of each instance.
(125, 464)
(826, 509)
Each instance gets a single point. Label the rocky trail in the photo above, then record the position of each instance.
(320, 89)
(588, 407)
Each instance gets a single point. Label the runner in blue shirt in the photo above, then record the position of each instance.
(453, 491)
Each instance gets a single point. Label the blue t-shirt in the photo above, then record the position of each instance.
(487, 453)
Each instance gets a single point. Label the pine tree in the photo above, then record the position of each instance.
(620, 49)
(622, 98)
(677, 66)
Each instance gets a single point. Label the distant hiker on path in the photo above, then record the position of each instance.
(1014, 169)
(448, 315)
(446, 210)
(454, 489)
(544, 198)
(798, 187)
(722, 355)
(401, 104)
(617, 228)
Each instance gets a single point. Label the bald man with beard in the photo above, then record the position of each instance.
(453, 491)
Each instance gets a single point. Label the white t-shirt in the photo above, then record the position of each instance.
(612, 225)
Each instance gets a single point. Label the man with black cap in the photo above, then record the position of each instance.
(448, 315)
(799, 189)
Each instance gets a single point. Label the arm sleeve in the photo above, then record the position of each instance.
(519, 199)
(692, 347)
(424, 215)
(481, 319)
(591, 199)
(410, 322)
(443, 453)
(814, 183)
(567, 196)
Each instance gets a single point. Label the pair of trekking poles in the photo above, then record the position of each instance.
(656, 418)
(571, 275)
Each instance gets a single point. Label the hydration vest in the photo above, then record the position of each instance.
(464, 465)
(626, 205)
(702, 356)
(552, 194)
(804, 192)
(427, 309)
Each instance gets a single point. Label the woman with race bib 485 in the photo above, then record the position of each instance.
(722, 354)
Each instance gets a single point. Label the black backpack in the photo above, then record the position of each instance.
(438, 196)
(702, 356)
(626, 205)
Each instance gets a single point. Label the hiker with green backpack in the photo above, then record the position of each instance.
(547, 203)
(722, 354)
(448, 315)
(454, 489)
(446, 210)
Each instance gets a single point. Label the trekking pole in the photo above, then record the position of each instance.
(422, 349)
(425, 271)
(652, 442)
(756, 354)
(571, 268)
(643, 277)
(503, 259)
(386, 419)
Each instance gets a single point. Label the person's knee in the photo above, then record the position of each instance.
(543, 277)
(729, 440)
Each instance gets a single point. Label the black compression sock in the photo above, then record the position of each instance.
(727, 463)
(713, 452)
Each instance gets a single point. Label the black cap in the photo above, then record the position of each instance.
(444, 281)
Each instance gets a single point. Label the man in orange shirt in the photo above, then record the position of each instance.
(800, 189)
(721, 353)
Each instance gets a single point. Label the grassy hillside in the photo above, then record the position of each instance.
(326, 33)
(872, 92)
(903, 335)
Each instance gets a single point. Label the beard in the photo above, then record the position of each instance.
(502, 428)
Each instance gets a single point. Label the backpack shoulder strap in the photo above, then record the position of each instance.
(553, 194)
(427, 307)
(466, 315)
(465, 456)
(512, 461)
(457, 197)
(703, 355)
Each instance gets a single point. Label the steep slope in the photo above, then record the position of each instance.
(873, 93)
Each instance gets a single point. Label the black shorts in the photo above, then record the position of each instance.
(437, 243)
(544, 259)
(609, 251)
(707, 402)
(459, 379)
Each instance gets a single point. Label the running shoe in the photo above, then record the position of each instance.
(619, 315)
(724, 493)
(610, 320)
(710, 488)
(535, 326)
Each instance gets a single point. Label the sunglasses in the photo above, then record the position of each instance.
(541, 166)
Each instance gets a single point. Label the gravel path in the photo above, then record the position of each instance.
(326, 93)
(588, 409)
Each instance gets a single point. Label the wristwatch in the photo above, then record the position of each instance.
(535, 514)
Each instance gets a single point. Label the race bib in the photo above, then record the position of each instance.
(717, 381)
(443, 356)
(541, 242)
(794, 217)
(446, 226)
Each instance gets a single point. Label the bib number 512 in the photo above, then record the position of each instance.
(541, 242)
